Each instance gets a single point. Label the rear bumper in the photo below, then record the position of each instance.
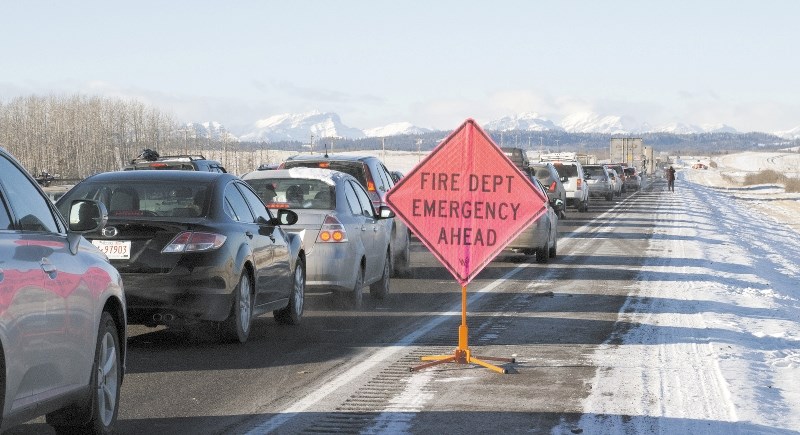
(183, 297)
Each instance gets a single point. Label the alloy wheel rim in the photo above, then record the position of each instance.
(244, 303)
(107, 379)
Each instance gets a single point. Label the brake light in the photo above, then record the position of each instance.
(282, 165)
(189, 241)
(332, 231)
(370, 183)
(158, 165)
(324, 165)
(578, 183)
(553, 186)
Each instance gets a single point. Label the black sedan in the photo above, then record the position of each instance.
(196, 247)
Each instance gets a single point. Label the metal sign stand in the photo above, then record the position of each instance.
(462, 354)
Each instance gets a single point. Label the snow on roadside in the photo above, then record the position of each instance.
(709, 341)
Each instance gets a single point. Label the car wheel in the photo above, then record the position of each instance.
(355, 298)
(610, 196)
(100, 413)
(552, 252)
(401, 260)
(541, 254)
(292, 313)
(380, 288)
(238, 324)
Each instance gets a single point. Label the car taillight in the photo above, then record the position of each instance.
(189, 241)
(578, 183)
(158, 165)
(324, 165)
(332, 231)
(553, 186)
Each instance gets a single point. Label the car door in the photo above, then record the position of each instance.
(277, 278)
(260, 245)
(370, 232)
(40, 297)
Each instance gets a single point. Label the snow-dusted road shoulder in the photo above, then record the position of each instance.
(710, 341)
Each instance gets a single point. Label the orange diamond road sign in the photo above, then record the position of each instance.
(466, 201)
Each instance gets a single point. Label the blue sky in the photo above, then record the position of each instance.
(431, 63)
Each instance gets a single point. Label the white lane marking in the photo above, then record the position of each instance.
(378, 357)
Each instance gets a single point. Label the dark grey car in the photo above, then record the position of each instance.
(197, 247)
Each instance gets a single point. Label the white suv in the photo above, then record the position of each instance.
(572, 176)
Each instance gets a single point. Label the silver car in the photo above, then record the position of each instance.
(348, 242)
(62, 312)
(541, 237)
(547, 174)
(599, 181)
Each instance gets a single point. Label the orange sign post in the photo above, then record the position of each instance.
(466, 201)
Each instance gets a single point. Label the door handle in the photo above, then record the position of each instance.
(363, 228)
(248, 234)
(48, 267)
(271, 237)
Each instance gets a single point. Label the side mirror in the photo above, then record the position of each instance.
(86, 216)
(557, 204)
(285, 217)
(564, 179)
(384, 212)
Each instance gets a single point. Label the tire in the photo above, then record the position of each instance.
(237, 326)
(542, 254)
(293, 313)
(355, 299)
(400, 262)
(380, 288)
(610, 196)
(100, 413)
(552, 251)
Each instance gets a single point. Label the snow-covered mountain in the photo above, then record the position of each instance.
(528, 121)
(590, 122)
(395, 129)
(300, 127)
(789, 134)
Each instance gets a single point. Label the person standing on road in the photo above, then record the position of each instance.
(671, 178)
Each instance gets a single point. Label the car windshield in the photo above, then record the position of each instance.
(143, 200)
(295, 193)
(355, 168)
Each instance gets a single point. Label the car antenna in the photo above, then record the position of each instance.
(326, 150)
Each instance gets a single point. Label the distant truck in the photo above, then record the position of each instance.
(518, 156)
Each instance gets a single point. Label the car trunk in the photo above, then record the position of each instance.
(147, 239)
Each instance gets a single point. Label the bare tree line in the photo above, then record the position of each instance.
(76, 136)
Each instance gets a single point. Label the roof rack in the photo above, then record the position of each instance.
(178, 158)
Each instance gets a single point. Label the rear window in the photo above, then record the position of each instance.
(295, 193)
(542, 173)
(594, 171)
(356, 169)
(566, 170)
(630, 171)
(143, 200)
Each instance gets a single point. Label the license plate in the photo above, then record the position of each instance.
(114, 249)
